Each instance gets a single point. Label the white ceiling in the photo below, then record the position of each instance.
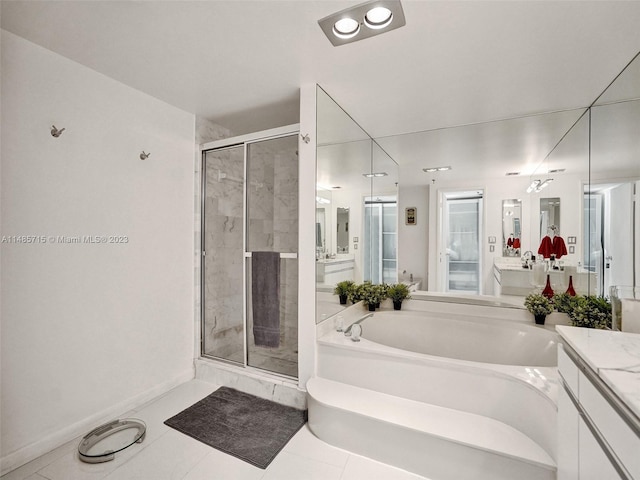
(240, 63)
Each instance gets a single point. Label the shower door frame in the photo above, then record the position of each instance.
(244, 141)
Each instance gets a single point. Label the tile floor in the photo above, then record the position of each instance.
(167, 454)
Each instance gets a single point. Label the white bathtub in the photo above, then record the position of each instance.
(493, 367)
(463, 338)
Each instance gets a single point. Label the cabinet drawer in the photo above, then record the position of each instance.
(618, 434)
(594, 464)
(568, 370)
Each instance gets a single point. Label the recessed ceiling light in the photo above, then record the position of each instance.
(378, 17)
(375, 174)
(436, 169)
(346, 28)
(556, 170)
(511, 174)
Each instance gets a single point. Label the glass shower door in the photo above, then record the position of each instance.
(272, 255)
(222, 264)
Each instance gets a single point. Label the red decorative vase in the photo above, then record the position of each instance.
(548, 291)
(571, 291)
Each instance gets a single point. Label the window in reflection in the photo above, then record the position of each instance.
(380, 245)
(462, 228)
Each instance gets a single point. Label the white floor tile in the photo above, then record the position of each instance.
(362, 468)
(26, 471)
(220, 466)
(170, 457)
(306, 444)
(288, 466)
(70, 467)
(154, 414)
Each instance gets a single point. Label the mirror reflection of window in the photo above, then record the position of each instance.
(380, 241)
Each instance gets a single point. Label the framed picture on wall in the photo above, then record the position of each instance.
(410, 215)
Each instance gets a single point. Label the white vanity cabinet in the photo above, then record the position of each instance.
(598, 405)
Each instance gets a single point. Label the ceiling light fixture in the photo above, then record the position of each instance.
(346, 28)
(322, 200)
(436, 169)
(375, 174)
(378, 16)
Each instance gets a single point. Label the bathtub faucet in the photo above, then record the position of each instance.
(347, 332)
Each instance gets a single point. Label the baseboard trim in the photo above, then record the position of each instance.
(24, 455)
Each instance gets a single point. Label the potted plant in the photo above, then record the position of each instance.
(342, 290)
(591, 312)
(539, 305)
(397, 293)
(382, 289)
(357, 292)
(372, 295)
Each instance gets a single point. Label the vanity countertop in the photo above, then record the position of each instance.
(613, 356)
(340, 258)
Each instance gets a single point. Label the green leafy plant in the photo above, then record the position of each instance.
(373, 294)
(591, 312)
(358, 292)
(538, 304)
(398, 292)
(565, 303)
(344, 287)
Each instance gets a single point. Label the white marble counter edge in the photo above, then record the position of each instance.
(623, 379)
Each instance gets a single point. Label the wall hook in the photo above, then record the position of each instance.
(144, 156)
(305, 138)
(55, 132)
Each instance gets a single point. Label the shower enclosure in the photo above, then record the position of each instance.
(249, 274)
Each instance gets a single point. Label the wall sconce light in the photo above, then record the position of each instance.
(533, 186)
(362, 21)
(538, 185)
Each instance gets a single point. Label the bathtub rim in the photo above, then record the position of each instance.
(548, 391)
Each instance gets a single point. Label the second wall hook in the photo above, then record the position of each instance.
(144, 156)
(55, 132)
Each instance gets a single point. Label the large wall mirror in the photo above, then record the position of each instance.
(355, 180)
(611, 210)
(550, 216)
(575, 169)
(511, 227)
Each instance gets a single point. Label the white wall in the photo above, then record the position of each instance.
(307, 237)
(413, 240)
(89, 330)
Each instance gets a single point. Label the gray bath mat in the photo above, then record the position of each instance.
(240, 424)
